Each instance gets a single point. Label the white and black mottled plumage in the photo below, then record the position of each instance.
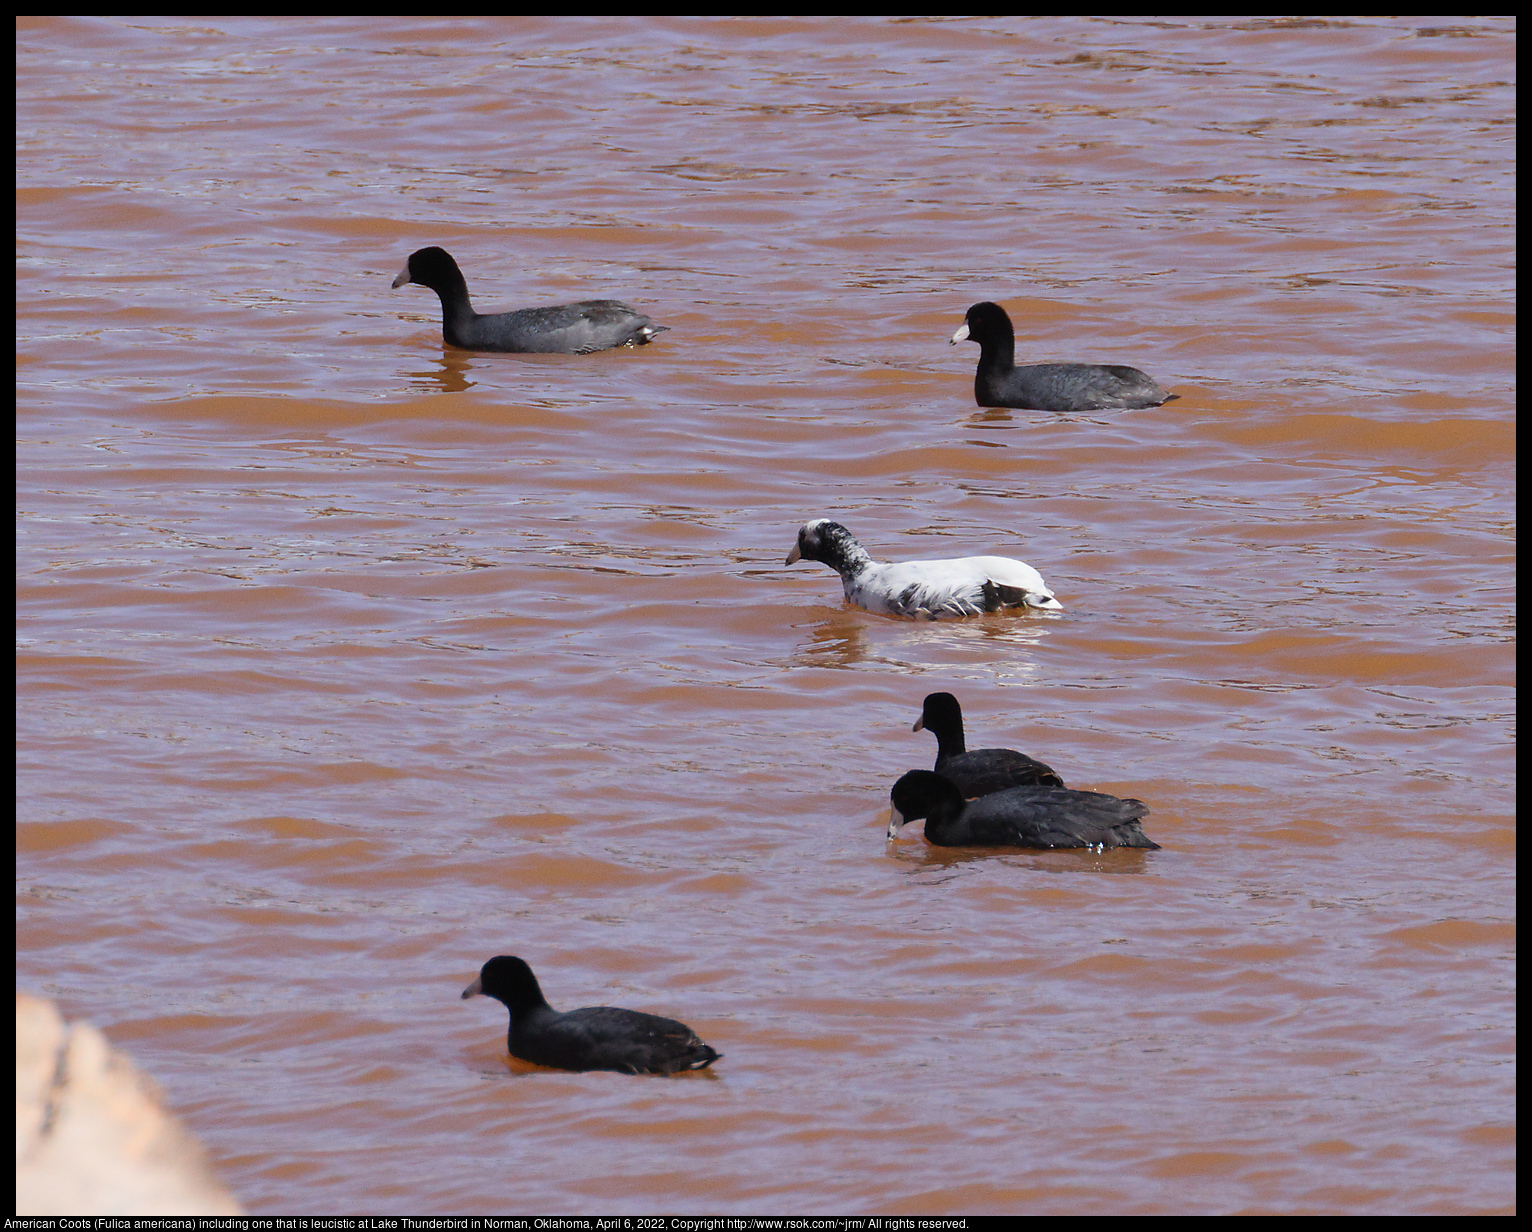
(1046, 817)
(568, 329)
(600, 1037)
(977, 772)
(1048, 387)
(924, 589)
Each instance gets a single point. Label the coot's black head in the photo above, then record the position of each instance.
(986, 324)
(916, 794)
(434, 268)
(510, 981)
(940, 714)
(829, 543)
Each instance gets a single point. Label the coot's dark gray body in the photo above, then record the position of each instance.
(981, 771)
(570, 329)
(1048, 387)
(1046, 817)
(601, 1037)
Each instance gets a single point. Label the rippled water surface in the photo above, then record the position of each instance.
(348, 661)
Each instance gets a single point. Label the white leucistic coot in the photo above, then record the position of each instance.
(924, 589)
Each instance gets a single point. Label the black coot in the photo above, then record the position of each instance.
(1048, 387)
(597, 1038)
(571, 329)
(1016, 817)
(982, 771)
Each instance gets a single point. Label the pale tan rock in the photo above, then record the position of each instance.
(92, 1134)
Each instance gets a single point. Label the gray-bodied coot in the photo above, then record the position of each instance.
(1048, 387)
(925, 589)
(978, 772)
(600, 1037)
(570, 329)
(1017, 817)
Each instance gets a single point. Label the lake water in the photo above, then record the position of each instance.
(348, 661)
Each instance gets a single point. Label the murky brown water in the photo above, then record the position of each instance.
(347, 663)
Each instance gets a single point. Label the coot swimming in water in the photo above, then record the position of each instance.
(1016, 817)
(977, 772)
(927, 589)
(597, 1038)
(1048, 387)
(591, 325)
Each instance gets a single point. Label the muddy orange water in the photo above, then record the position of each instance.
(348, 662)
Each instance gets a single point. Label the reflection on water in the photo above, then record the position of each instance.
(450, 377)
(919, 856)
(1003, 643)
